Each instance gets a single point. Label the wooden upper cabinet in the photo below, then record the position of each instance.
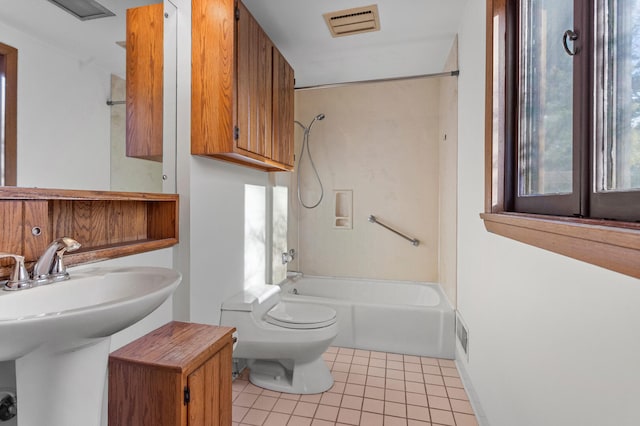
(233, 115)
(283, 120)
(145, 81)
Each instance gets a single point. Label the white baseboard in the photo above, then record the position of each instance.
(461, 363)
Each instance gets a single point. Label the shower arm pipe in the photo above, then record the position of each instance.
(414, 241)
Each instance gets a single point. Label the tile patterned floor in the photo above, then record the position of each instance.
(370, 389)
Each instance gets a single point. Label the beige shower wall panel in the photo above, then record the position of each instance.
(379, 140)
(448, 163)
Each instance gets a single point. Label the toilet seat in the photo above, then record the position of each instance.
(300, 316)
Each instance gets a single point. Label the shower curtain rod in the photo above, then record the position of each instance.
(382, 80)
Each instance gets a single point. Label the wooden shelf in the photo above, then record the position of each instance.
(107, 224)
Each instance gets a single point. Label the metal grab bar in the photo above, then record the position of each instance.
(414, 241)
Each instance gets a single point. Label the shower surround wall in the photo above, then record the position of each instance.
(448, 190)
(379, 140)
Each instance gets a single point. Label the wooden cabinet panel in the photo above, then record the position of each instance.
(232, 88)
(149, 378)
(11, 235)
(144, 81)
(254, 86)
(36, 229)
(283, 112)
(212, 76)
(156, 393)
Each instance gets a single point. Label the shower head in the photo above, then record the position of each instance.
(307, 129)
(317, 117)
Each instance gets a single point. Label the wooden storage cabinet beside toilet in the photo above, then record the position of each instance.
(242, 89)
(177, 375)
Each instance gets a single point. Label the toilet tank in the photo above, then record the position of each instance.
(257, 300)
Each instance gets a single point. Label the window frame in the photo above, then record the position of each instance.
(614, 245)
(567, 204)
(10, 55)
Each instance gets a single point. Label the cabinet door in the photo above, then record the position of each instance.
(212, 76)
(210, 391)
(144, 81)
(283, 94)
(254, 86)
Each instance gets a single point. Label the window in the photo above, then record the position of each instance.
(265, 234)
(255, 232)
(563, 127)
(574, 122)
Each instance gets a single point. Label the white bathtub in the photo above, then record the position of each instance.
(392, 316)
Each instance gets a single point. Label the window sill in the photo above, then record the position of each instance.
(611, 245)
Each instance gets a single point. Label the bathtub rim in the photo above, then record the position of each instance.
(444, 300)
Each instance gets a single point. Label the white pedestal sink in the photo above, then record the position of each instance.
(59, 336)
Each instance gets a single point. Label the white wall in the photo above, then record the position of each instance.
(217, 234)
(380, 141)
(553, 341)
(63, 119)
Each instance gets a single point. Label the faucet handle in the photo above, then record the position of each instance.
(19, 276)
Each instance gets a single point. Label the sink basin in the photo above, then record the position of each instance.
(59, 336)
(96, 302)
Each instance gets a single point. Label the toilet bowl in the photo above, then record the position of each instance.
(283, 342)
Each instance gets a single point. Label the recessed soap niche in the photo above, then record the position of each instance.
(342, 209)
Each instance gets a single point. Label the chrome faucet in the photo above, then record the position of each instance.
(48, 269)
(288, 256)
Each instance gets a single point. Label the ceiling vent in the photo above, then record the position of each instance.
(353, 21)
(83, 9)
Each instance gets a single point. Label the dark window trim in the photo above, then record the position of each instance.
(614, 245)
(11, 113)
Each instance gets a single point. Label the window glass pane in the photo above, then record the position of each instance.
(255, 225)
(545, 135)
(618, 95)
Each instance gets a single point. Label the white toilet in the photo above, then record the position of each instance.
(283, 342)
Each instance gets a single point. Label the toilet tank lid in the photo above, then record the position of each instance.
(249, 297)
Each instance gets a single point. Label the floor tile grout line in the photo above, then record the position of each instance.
(396, 360)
